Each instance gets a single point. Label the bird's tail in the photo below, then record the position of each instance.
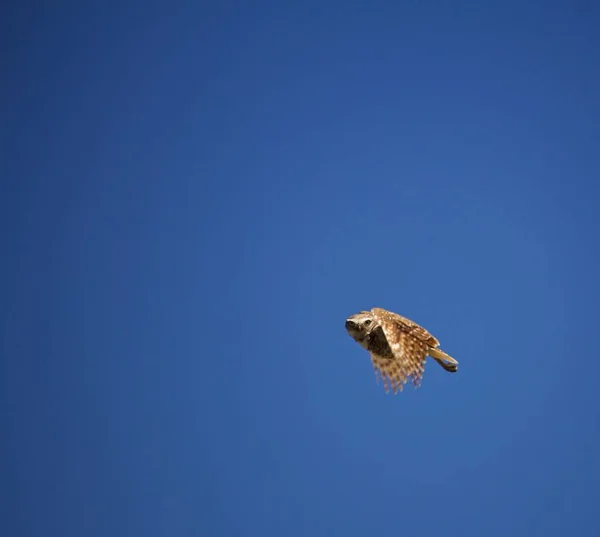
(446, 361)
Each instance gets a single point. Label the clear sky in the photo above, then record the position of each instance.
(194, 197)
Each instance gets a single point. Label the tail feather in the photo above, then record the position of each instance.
(445, 360)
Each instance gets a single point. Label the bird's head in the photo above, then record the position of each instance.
(359, 326)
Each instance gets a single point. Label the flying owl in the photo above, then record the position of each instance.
(398, 347)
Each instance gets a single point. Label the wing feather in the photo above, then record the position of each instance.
(406, 325)
(408, 349)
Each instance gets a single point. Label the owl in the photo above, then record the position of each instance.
(398, 347)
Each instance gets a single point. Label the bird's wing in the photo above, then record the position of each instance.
(406, 325)
(409, 354)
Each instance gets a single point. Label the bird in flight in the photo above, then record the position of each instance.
(397, 346)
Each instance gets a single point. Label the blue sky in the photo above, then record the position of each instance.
(195, 197)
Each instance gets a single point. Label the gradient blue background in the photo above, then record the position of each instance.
(193, 199)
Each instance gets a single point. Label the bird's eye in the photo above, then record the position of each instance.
(367, 322)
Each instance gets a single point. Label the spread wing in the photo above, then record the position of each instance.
(406, 325)
(409, 344)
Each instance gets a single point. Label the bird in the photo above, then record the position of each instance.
(398, 347)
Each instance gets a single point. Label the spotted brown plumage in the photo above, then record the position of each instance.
(398, 347)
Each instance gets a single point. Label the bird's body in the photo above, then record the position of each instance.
(398, 346)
